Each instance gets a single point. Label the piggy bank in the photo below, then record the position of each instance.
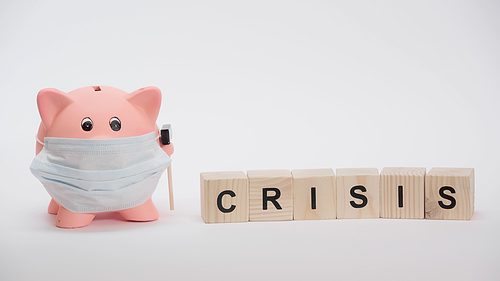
(98, 150)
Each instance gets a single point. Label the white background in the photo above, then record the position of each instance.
(261, 85)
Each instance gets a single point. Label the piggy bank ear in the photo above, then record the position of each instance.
(147, 100)
(50, 103)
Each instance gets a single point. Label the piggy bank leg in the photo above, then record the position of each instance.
(53, 207)
(67, 219)
(144, 212)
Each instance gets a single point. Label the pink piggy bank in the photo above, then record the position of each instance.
(98, 150)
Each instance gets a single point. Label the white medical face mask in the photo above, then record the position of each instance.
(91, 176)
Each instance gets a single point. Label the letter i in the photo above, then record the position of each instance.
(313, 198)
(400, 196)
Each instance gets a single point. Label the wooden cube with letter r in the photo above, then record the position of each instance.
(224, 197)
(270, 195)
(449, 193)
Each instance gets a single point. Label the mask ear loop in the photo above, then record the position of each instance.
(39, 141)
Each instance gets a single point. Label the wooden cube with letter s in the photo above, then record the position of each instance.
(449, 193)
(358, 193)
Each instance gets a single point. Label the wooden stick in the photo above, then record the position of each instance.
(170, 187)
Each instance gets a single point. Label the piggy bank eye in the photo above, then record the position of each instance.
(115, 124)
(87, 124)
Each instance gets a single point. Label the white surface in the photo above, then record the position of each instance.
(261, 85)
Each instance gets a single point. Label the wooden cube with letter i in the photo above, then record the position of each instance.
(314, 194)
(270, 195)
(224, 197)
(358, 193)
(449, 194)
(402, 193)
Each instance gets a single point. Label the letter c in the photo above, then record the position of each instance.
(219, 201)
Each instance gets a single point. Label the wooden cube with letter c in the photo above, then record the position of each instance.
(358, 193)
(270, 195)
(224, 197)
(449, 193)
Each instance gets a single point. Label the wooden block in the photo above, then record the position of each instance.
(449, 194)
(314, 195)
(271, 195)
(358, 193)
(224, 197)
(402, 193)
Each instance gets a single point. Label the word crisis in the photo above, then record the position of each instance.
(357, 193)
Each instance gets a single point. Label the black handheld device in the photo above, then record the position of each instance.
(166, 134)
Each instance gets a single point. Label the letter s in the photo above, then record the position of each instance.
(453, 202)
(358, 196)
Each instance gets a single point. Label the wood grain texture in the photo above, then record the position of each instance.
(462, 182)
(323, 181)
(349, 178)
(270, 179)
(212, 184)
(412, 181)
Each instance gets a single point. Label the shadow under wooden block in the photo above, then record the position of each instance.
(402, 193)
(358, 193)
(224, 197)
(270, 195)
(449, 194)
(314, 194)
